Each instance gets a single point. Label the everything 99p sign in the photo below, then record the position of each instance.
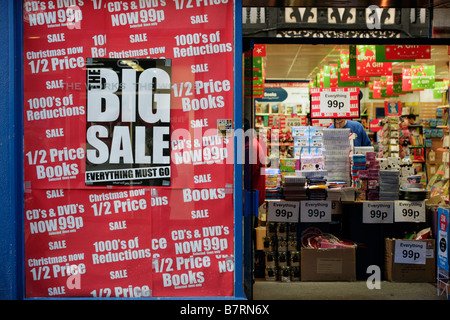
(333, 103)
(128, 122)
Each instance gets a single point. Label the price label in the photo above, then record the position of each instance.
(335, 102)
(378, 212)
(315, 211)
(283, 211)
(411, 252)
(410, 211)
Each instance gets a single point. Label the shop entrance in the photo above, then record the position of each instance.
(407, 128)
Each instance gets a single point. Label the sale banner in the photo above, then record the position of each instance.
(326, 76)
(88, 243)
(334, 71)
(198, 259)
(443, 238)
(123, 156)
(405, 52)
(376, 89)
(398, 84)
(334, 102)
(344, 70)
(393, 52)
(390, 86)
(439, 88)
(128, 122)
(362, 62)
(422, 76)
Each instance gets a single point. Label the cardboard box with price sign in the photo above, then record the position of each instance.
(410, 260)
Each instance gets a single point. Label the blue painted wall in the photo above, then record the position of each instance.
(11, 131)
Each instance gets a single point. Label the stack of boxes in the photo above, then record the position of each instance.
(317, 188)
(281, 252)
(389, 184)
(389, 138)
(273, 184)
(307, 141)
(294, 188)
(336, 152)
(365, 170)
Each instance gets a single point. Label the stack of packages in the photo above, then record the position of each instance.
(336, 153)
(359, 176)
(389, 138)
(373, 169)
(307, 141)
(365, 170)
(273, 182)
(317, 188)
(282, 258)
(287, 168)
(294, 188)
(389, 184)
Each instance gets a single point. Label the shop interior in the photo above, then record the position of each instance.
(404, 112)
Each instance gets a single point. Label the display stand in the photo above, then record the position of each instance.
(443, 282)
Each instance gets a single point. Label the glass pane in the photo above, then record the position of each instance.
(128, 111)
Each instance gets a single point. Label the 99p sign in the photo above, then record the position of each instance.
(334, 102)
(283, 211)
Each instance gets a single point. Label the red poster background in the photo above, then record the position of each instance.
(198, 38)
(393, 52)
(369, 66)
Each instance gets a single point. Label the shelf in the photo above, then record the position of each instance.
(280, 114)
(443, 107)
(285, 144)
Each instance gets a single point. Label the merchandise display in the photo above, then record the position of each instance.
(331, 181)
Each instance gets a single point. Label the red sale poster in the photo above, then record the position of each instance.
(128, 148)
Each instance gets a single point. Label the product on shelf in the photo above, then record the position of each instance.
(282, 258)
(295, 189)
(389, 184)
(316, 239)
(317, 188)
(336, 152)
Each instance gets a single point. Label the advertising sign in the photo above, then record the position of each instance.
(132, 99)
(363, 62)
(443, 238)
(128, 148)
(334, 102)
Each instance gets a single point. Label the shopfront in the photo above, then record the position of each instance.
(328, 195)
(132, 180)
(128, 169)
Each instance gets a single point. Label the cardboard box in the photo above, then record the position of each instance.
(404, 262)
(333, 264)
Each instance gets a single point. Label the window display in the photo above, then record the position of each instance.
(398, 180)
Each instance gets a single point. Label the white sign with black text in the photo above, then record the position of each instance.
(283, 211)
(410, 211)
(335, 102)
(315, 211)
(378, 212)
(411, 252)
